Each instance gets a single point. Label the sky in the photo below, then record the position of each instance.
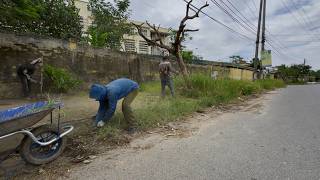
(293, 28)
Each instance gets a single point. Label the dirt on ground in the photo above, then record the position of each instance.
(84, 144)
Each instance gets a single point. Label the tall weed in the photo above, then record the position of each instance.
(59, 79)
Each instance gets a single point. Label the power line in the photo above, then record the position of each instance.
(277, 51)
(276, 40)
(240, 28)
(232, 17)
(295, 35)
(244, 17)
(220, 23)
(253, 13)
(245, 20)
(297, 41)
(268, 32)
(292, 14)
(241, 17)
(255, 5)
(269, 41)
(303, 15)
(249, 24)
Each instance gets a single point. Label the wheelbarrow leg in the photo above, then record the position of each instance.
(59, 120)
(51, 117)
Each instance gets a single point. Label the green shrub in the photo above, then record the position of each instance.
(59, 79)
(203, 86)
(211, 92)
(270, 84)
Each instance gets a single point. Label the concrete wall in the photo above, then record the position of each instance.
(90, 65)
(247, 75)
(233, 73)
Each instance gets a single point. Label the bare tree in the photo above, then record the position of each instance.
(175, 47)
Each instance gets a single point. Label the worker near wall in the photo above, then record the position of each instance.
(25, 72)
(108, 96)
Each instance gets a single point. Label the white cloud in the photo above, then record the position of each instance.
(215, 42)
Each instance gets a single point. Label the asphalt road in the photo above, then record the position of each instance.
(281, 140)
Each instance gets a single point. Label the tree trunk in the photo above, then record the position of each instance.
(183, 69)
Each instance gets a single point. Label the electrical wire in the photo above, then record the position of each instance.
(232, 17)
(249, 24)
(253, 12)
(304, 16)
(221, 23)
(296, 19)
(276, 51)
(270, 42)
(241, 16)
(268, 32)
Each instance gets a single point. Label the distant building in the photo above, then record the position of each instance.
(86, 15)
(133, 42)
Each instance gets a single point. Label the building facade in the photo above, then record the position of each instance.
(132, 42)
(86, 15)
(135, 43)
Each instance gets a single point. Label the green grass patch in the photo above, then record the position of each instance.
(270, 84)
(165, 111)
(150, 110)
(217, 91)
(153, 87)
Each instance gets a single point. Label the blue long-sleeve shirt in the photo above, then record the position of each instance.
(109, 95)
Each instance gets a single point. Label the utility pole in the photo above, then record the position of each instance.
(256, 57)
(304, 65)
(264, 26)
(263, 40)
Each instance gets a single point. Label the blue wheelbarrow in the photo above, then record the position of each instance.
(41, 144)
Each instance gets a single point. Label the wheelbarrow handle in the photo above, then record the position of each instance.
(66, 130)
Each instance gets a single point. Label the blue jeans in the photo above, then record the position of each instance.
(166, 82)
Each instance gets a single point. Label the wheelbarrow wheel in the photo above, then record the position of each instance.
(35, 154)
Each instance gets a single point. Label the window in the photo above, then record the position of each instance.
(133, 32)
(130, 45)
(143, 47)
(144, 31)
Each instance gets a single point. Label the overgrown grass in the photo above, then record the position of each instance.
(270, 84)
(150, 110)
(59, 79)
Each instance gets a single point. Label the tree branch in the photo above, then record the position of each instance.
(198, 11)
(181, 31)
(156, 30)
(190, 30)
(149, 41)
(188, 8)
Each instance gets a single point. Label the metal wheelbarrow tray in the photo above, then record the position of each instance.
(20, 120)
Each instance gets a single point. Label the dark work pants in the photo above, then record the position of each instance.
(126, 107)
(26, 86)
(167, 82)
